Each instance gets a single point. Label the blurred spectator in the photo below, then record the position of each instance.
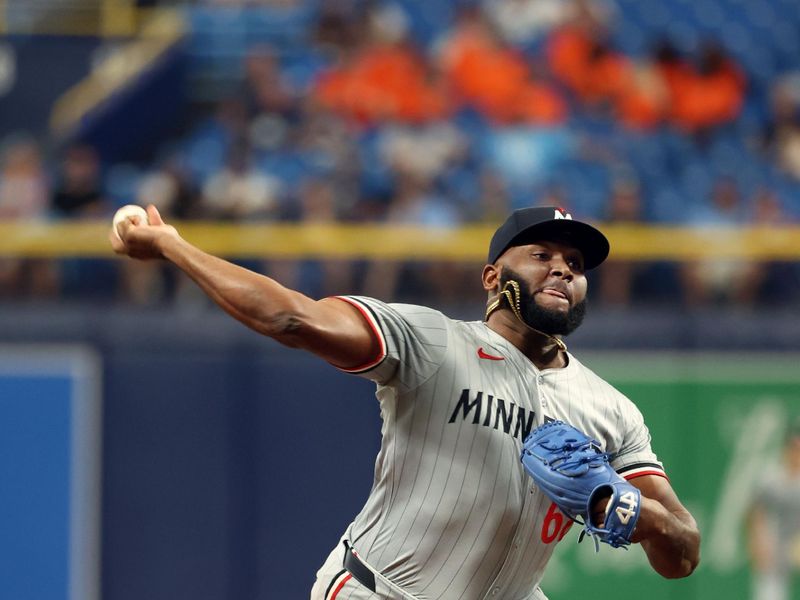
(671, 66)
(773, 527)
(170, 189)
(24, 198)
(24, 189)
(271, 101)
(79, 194)
(240, 191)
(494, 203)
(781, 135)
(78, 190)
(524, 157)
(767, 209)
(336, 32)
(385, 78)
(422, 152)
(524, 22)
(328, 147)
(625, 206)
(721, 280)
(643, 100)
(582, 58)
(265, 90)
(706, 95)
(416, 203)
(210, 142)
(781, 279)
(319, 203)
(485, 73)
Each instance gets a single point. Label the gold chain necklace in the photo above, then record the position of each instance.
(513, 296)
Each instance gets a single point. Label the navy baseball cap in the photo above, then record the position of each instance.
(529, 225)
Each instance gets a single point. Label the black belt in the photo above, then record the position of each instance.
(357, 569)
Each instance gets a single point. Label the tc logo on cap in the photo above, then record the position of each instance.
(560, 213)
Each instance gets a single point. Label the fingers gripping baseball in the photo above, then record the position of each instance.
(571, 470)
(139, 234)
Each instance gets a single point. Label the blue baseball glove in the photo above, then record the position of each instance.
(570, 468)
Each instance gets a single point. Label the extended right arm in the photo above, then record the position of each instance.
(329, 328)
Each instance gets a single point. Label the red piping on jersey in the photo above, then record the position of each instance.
(482, 354)
(376, 332)
(340, 586)
(643, 473)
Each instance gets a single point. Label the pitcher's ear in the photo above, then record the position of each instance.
(491, 277)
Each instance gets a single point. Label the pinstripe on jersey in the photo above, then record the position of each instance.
(451, 513)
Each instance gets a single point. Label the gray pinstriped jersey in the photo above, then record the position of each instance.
(452, 514)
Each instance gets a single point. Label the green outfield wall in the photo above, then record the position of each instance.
(716, 421)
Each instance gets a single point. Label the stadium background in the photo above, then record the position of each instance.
(347, 146)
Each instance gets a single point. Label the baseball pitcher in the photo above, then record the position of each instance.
(495, 438)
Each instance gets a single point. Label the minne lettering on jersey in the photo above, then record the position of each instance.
(489, 411)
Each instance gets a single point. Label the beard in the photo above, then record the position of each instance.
(537, 317)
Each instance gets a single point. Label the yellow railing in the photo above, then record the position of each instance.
(467, 244)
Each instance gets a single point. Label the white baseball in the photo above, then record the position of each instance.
(126, 212)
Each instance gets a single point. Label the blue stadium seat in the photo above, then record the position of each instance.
(122, 183)
(684, 35)
(206, 149)
(629, 38)
(668, 205)
(709, 15)
(284, 28)
(462, 184)
(647, 154)
(301, 68)
(428, 20)
(291, 167)
(697, 179)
